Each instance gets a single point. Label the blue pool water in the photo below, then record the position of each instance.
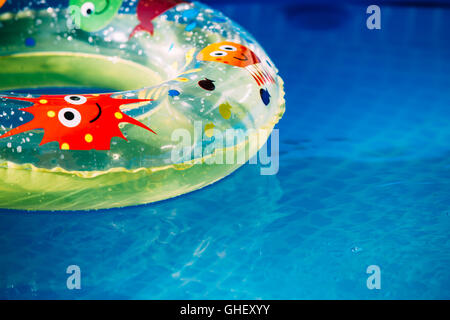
(364, 180)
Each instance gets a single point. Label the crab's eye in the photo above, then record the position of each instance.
(87, 9)
(69, 117)
(75, 99)
(228, 48)
(218, 54)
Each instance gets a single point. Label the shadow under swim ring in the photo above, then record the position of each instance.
(182, 79)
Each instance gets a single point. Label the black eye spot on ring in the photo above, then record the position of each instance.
(69, 115)
(207, 84)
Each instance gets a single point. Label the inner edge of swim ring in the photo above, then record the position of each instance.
(73, 69)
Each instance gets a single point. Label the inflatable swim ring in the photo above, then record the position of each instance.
(172, 78)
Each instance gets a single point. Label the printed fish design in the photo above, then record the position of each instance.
(93, 15)
(77, 122)
(147, 10)
(237, 55)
